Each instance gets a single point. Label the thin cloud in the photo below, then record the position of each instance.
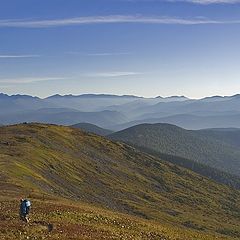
(19, 56)
(28, 80)
(203, 2)
(113, 74)
(206, 2)
(104, 54)
(112, 19)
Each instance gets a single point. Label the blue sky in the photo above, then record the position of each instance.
(140, 47)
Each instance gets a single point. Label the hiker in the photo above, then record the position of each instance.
(24, 209)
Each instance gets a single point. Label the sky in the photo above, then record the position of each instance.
(137, 47)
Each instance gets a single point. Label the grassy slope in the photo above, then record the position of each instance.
(172, 140)
(69, 163)
(216, 175)
(61, 219)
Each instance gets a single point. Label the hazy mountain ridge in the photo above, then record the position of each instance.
(64, 116)
(189, 121)
(209, 112)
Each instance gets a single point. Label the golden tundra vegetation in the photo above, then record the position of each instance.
(83, 186)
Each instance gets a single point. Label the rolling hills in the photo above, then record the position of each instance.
(91, 128)
(63, 116)
(65, 163)
(207, 147)
(188, 121)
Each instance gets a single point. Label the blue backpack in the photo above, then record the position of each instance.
(25, 206)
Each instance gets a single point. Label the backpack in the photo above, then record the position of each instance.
(27, 205)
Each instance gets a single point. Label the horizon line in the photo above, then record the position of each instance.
(121, 95)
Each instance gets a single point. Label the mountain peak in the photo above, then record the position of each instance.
(236, 96)
(92, 95)
(176, 97)
(16, 96)
(3, 95)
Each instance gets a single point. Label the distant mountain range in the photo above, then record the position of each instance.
(218, 148)
(119, 112)
(190, 121)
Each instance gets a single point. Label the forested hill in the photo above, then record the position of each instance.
(200, 146)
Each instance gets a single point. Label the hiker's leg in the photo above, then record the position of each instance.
(22, 217)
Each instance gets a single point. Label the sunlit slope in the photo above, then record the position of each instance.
(61, 219)
(67, 162)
